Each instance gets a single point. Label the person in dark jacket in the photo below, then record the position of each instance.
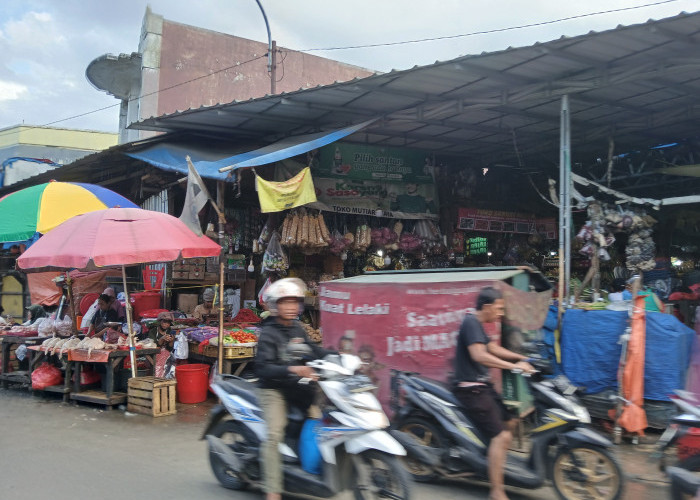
(283, 348)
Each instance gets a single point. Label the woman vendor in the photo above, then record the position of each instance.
(34, 312)
(162, 332)
(104, 314)
(207, 307)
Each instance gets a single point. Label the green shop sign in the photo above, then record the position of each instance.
(353, 161)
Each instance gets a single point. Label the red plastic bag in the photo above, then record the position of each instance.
(45, 376)
(88, 376)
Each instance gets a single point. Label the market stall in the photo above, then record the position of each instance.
(115, 237)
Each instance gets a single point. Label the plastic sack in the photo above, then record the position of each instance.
(169, 370)
(181, 348)
(46, 376)
(21, 352)
(309, 453)
(275, 259)
(64, 327)
(261, 293)
(46, 328)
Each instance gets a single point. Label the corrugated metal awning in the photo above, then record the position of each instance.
(638, 84)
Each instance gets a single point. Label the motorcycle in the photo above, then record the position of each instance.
(441, 441)
(356, 452)
(684, 480)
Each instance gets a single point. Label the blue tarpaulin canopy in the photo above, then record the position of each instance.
(591, 352)
(209, 164)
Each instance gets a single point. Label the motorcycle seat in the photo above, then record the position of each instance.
(437, 389)
(242, 388)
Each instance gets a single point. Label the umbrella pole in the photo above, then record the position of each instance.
(130, 326)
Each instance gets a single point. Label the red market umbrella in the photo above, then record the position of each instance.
(634, 418)
(116, 237)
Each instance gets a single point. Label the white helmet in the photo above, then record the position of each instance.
(284, 288)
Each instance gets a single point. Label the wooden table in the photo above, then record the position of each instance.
(111, 360)
(18, 377)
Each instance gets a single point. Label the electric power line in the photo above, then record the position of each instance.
(142, 96)
(495, 30)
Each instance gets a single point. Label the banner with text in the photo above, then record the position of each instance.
(499, 221)
(357, 161)
(362, 197)
(409, 327)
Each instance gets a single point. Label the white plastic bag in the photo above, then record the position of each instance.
(89, 314)
(181, 349)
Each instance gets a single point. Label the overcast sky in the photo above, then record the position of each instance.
(45, 45)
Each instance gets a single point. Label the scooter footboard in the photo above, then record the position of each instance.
(375, 440)
(583, 436)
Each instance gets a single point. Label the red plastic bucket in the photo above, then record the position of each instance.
(143, 301)
(192, 383)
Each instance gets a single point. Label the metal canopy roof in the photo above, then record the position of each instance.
(637, 84)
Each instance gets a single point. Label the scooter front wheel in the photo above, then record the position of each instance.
(235, 435)
(379, 475)
(426, 434)
(586, 472)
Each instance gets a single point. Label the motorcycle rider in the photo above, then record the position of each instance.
(475, 354)
(283, 347)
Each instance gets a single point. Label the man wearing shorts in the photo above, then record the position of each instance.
(475, 354)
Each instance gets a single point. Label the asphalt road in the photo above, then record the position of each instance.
(55, 450)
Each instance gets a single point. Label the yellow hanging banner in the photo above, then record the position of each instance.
(278, 196)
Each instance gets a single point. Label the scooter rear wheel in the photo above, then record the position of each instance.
(586, 472)
(426, 434)
(235, 435)
(382, 476)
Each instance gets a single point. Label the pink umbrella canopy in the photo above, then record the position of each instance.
(116, 237)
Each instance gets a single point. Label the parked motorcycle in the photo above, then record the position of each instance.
(685, 422)
(356, 451)
(683, 474)
(441, 441)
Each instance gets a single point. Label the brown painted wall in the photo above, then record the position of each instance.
(188, 52)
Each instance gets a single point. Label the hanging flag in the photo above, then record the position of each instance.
(195, 199)
(278, 196)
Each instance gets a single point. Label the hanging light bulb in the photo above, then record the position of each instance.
(251, 267)
(387, 260)
(344, 256)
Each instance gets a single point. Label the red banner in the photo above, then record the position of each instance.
(410, 327)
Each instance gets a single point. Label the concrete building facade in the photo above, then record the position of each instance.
(180, 67)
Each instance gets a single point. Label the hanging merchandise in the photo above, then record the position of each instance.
(275, 259)
(279, 196)
(306, 231)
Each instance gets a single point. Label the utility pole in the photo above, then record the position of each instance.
(271, 53)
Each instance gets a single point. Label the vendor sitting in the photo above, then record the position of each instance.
(162, 332)
(115, 304)
(104, 315)
(203, 311)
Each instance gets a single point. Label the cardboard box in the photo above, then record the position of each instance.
(181, 275)
(199, 261)
(181, 267)
(195, 275)
(186, 302)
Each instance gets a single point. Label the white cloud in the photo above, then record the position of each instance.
(10, 91)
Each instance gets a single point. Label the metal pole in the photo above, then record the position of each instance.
(273, 69)
(270, 50)
(220, 193)
(566, 117)
(562, 221)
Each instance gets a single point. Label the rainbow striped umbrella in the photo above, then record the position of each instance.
(40, 208)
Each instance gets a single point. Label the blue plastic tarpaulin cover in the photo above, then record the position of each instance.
(591, 351)
(172, 156)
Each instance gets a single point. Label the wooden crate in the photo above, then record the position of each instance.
(235, 352)
(152, 396)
